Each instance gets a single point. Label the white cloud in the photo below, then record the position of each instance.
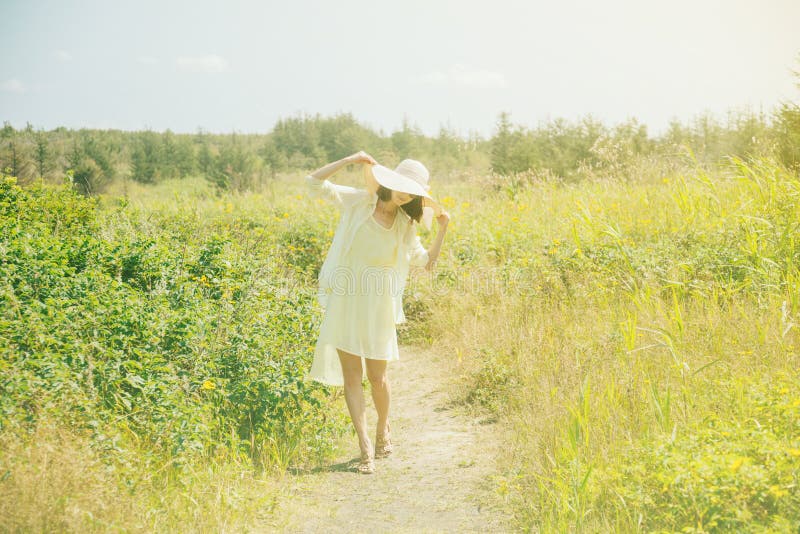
(147, 60)
(63, 55)
(209, 64)
(13, 86)
(465, 76)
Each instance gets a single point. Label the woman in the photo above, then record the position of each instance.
(361, 283)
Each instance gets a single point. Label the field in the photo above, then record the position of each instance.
(636, 338)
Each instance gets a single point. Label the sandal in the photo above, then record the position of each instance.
(383, 445)
(367, 465)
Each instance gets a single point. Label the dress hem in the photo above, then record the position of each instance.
(367, 357)
(322, 381)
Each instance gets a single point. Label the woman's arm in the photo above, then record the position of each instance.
(341, 195)
(328, 170)
(436, 246)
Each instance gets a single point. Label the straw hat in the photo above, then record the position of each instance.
(411, 177)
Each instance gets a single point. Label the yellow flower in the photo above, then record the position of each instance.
(778, 491)
(209, 385)
(737, 463)
(794, 452)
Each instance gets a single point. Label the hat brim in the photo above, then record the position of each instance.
(376, 175)
(397, 182)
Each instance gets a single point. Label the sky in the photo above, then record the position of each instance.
(243, 65)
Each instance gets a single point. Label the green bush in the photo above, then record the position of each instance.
(180, 343)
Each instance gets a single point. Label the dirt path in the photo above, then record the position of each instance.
(437, 480)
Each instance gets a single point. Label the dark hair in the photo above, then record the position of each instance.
(413, 208)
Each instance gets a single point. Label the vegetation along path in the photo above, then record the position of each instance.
(438, 479)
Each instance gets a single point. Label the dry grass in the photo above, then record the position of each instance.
(635, 345)
(55, 481)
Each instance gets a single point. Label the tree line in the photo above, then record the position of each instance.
(570, 148)
(94, 158)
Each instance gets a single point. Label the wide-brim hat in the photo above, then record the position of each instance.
(411, 177)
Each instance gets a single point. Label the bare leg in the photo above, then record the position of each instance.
(381, 394)
(354, 396)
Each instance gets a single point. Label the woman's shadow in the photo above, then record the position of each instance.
(341, 467)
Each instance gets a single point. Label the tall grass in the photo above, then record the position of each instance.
(640, 339)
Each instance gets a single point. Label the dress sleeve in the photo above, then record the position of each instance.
(341, 195)
(418, 254)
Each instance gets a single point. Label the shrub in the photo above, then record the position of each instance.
(182, 345)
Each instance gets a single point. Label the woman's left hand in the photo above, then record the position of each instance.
(443, 219)
(361, 157)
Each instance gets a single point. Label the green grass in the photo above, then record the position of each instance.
(637, 338)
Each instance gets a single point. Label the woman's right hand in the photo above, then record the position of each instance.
(361, 157)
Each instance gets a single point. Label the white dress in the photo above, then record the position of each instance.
(360, 315)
